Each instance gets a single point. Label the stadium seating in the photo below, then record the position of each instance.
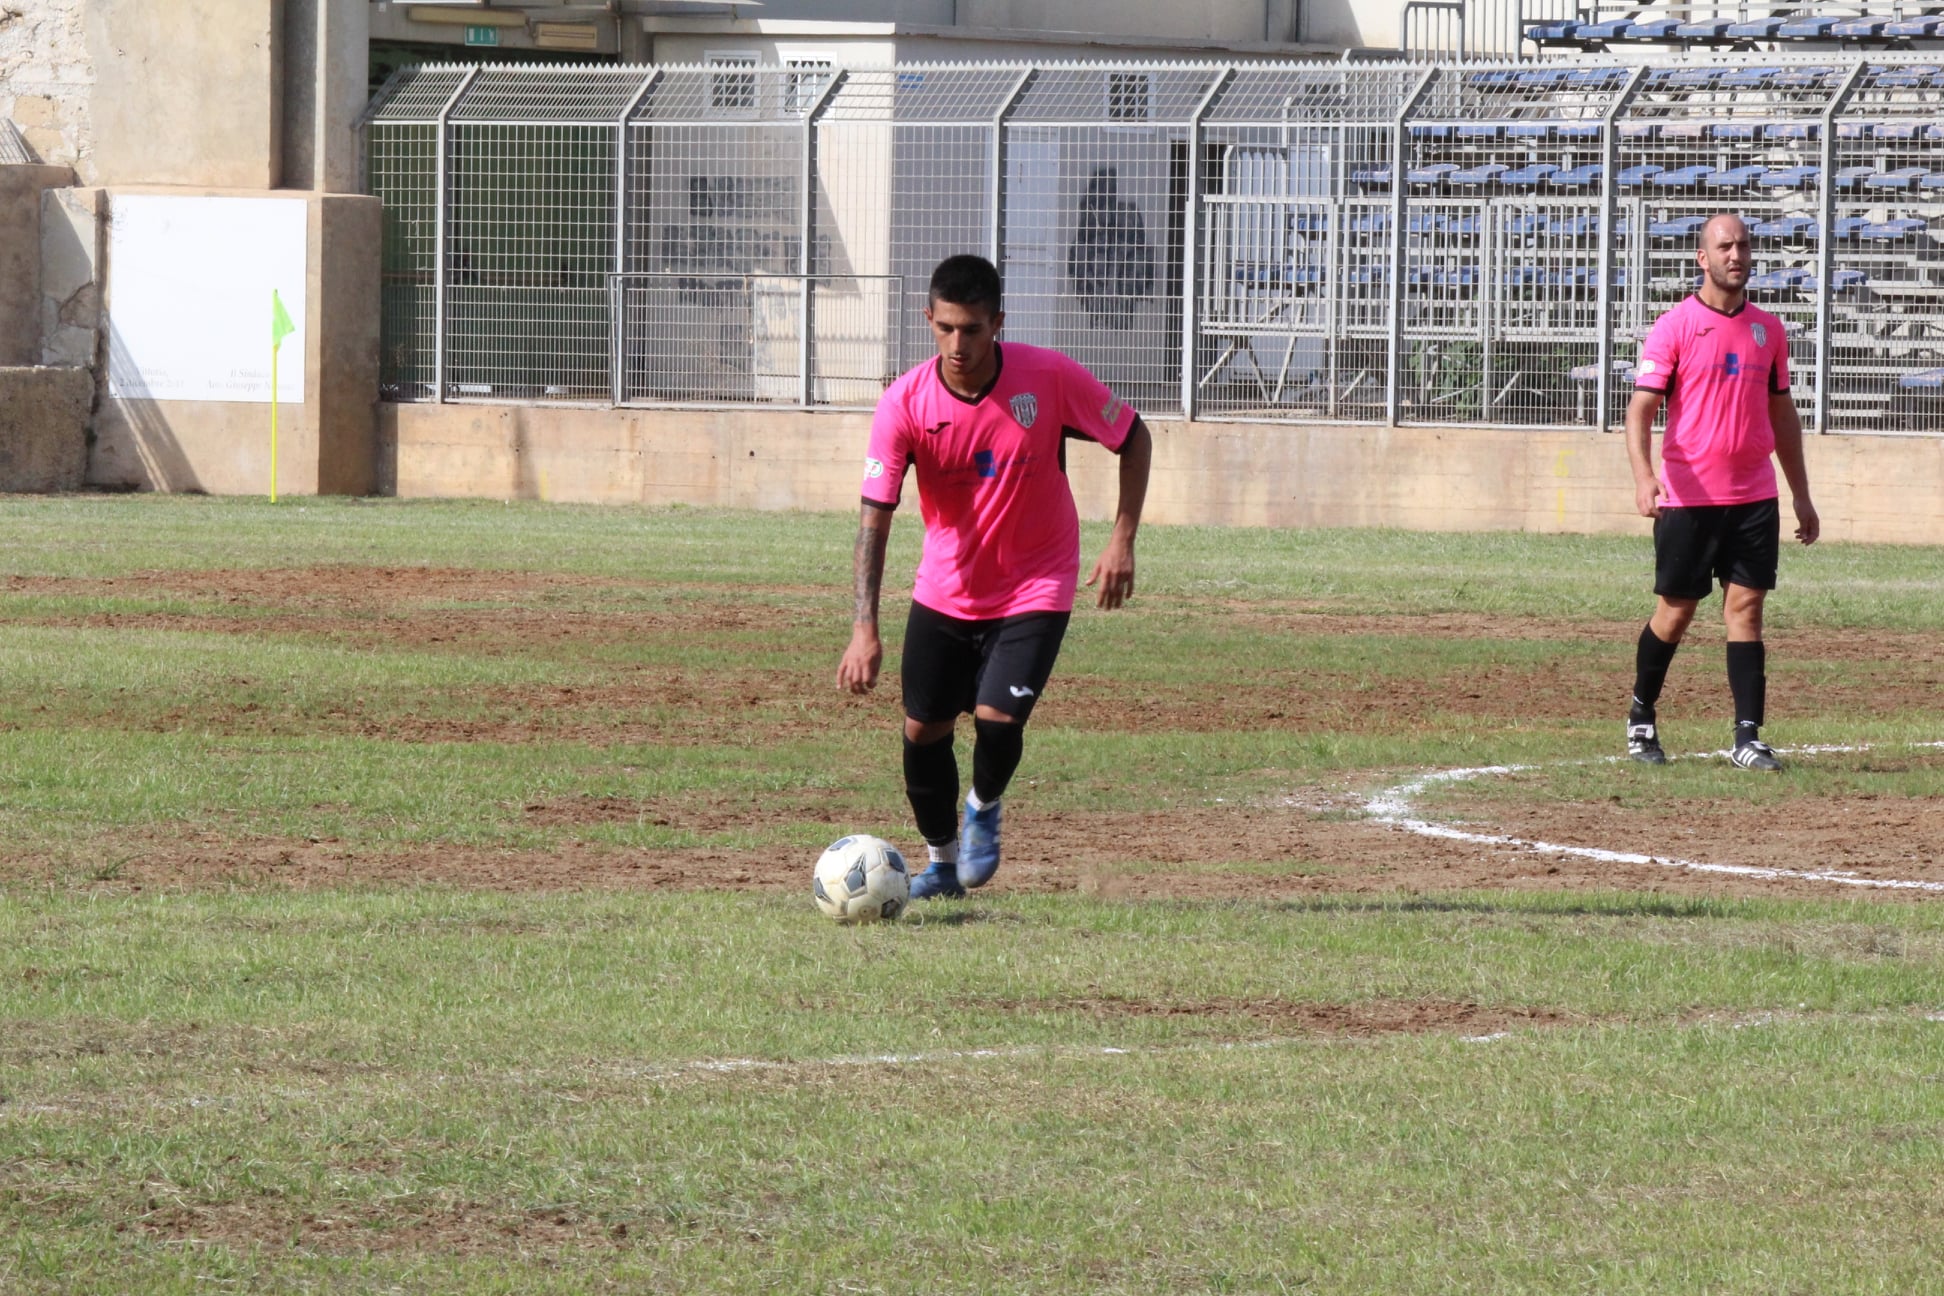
(1637, 23)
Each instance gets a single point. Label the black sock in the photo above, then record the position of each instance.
(1748, 681)
(1652, 656)
(932, 786)
(995, 755)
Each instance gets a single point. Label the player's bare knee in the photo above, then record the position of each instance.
(926, 732)
(984, 712)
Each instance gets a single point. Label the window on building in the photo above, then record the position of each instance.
(1130, 96)
(732, 91)
(808, 80)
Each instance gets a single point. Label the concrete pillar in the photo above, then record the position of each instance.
(325, 64)
(21, 187)
(187, 94)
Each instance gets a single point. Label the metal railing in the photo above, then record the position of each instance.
(1454, 243)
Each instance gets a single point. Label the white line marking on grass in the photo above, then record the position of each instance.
(1394, 806)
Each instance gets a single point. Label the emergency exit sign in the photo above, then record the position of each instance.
(482, 35)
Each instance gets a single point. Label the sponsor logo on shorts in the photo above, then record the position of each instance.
(873, 468)
(1020, 690)
(1025, 408)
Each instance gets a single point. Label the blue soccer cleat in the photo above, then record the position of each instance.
(940, 880)
(979, 845)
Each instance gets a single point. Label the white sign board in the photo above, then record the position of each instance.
(189, 309)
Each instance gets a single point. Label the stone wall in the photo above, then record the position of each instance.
(47, 80)
(44, 428)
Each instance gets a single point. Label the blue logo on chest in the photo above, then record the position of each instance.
(982, 459)
(1732, 365)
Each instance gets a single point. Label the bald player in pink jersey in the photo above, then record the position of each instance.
(986, 425)
(1722, 367)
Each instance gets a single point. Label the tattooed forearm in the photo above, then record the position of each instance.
(867, 563)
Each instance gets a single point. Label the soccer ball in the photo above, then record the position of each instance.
(861, 879)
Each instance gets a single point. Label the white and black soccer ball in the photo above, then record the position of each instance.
(861, 879)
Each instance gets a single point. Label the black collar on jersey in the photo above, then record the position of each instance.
(998, 353)
(1724, 314)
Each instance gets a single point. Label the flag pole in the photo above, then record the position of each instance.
(273, 422)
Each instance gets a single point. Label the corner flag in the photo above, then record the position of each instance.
(280, 328)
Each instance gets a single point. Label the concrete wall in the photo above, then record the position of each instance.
(46, 79)
(326, 444)
(187, 94)
(1429, 479)
(44, 428)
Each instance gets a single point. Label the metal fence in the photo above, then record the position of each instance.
(1453, 243)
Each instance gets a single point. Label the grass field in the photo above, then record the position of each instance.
(413, 897)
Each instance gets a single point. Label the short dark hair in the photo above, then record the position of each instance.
(967, 280)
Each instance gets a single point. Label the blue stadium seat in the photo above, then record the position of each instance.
(1801, 177)
(1367, 275)
(1375, 177)
(1759, 29)
(1808, 78)
(1914, 27)
(1542, 78)
(1683, 130)
(1901, 178)
(1310, 222)
(1898, 130)
(1653, 29)
(1788, 227)
(1735, 130)
(1478, 175)
(1635, 176)
(1852, 177)
(1611, 78)
(1694, 78)
(1524, 276)
(1375, 223)
(1579, 177)
(1779, 280)
(1702, 31)
(1480, 130)
(1934, 180)
(1545, 32)
(1586, 130)
(1426, 130)
(1680, 227)
(1639, 130)
(1923, 380)
(1681, 178)
(1893, 231)
(1527, 224)
(1858, 28)
(1527, 177)
(1576, 226)
(1602, 31)
(1847, 227)
(1841, 281)
(1748, 78)
(1906, 78)
(1735, 177)
(1419, 222)
(1429, 175)
(1806, 29)
(1850, 130)
(1496, 78)
(1791, 130)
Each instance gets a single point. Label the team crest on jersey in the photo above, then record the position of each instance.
(1761, 334)
(1025, 408)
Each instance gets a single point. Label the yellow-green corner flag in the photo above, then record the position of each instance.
(280, 328)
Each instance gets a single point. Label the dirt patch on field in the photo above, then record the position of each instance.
(459, 1228)
(1293, 1017)
(1290, 853)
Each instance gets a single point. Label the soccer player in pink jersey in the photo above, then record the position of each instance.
(986, 426)
(1721, 366)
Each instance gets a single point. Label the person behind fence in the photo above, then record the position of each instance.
(1721, 365)
(985, 424)
(1110, 263)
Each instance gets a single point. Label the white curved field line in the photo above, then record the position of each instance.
(1394, 807)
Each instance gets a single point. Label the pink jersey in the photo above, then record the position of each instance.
(1717, 372)
(1001, 533)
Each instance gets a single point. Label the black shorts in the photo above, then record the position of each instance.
(1693, 547)
(952, 666)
